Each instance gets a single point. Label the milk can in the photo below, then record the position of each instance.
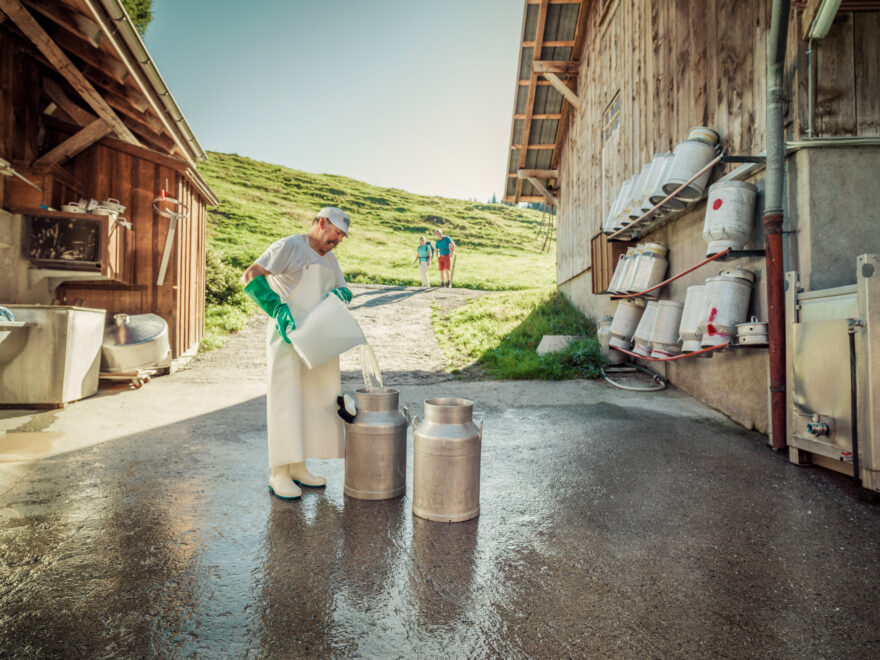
(725, 304)
(730, 212)
(446, 461)
(642, 336)
(650, 268)
(375, 446)
(626, 318)
(690, 319)
(622, 261)
(603, 333)
(658, 195)
(665, 341)
(690, 157)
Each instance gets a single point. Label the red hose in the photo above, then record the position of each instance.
(674, 357)
(675, 277)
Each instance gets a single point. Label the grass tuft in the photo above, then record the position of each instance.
(500, 333)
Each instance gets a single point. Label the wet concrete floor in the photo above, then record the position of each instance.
(614, 524)
(609, 527)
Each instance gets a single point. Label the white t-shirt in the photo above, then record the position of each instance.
(286, 258)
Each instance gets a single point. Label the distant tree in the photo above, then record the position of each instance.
(140, 12)
(494, 199)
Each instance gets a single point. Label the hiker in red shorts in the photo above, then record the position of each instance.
(445, 247)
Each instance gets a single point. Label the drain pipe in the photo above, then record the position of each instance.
(773, 217)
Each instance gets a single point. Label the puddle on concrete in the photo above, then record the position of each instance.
(27, 446)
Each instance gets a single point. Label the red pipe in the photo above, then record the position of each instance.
(674, 277)
(776, 325)
(674, 357)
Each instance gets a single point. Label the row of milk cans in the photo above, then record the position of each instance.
(708, 317)
(664, 175)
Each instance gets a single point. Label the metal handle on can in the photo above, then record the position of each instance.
(406, 413)
(415, 420)
(481, 427)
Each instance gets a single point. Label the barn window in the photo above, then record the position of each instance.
(611, 118)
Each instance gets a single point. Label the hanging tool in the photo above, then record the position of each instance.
(7, 170)
(181, 212)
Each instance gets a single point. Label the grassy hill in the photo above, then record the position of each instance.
(497, 246)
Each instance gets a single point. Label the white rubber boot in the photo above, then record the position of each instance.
(281, 485)
(301, 475)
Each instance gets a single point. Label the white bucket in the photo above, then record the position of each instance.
(614, 215)
(650, 269)
(690, 157)
(642, 335)
(626, 278)
(637, 194)
(690, 319)
(664, 335)
(725, 304)
(622, 263)
(329, 330)
(604, 334)
(658, 167)
(704, 134)
(626, 318)
(730, 213)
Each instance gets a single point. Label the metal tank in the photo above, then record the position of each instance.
(730, 213)
(446, 461)
(725, 305)
(642, 336)
(665, 341)
(375, 446)
(603, 333)
(626, 319)
(690, 319)
(690, 157)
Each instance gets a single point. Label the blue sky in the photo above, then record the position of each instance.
(411, 94)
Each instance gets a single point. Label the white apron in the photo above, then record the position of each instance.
(301, 402)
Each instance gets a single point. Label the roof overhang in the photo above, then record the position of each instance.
(546, 91)
(103, 79)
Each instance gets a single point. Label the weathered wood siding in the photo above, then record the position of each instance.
(135, 180)
(686, 63)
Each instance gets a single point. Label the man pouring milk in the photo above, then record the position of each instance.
(288, 281)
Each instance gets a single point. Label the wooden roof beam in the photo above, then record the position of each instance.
(539, 174)
(44, 43)
(70, 20)
(564, 89)
(543, 190)
(546, 115)
(549, 44)
(94, 56)
(533, 146)
(557, 67)
(77, 143)
(97, 77)
(78, 114)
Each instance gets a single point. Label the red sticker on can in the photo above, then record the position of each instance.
(717, 204)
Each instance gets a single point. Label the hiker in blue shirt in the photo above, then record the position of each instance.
(445, 247)
(424, 255)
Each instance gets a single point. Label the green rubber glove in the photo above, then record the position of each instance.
(342, 293)
(260, 292)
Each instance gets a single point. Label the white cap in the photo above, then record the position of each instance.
(337, 216)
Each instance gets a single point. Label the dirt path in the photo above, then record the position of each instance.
(395, 319)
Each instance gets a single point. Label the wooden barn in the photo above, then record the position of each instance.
(86, 116)
(606, 86)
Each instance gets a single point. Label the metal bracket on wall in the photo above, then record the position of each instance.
(736, 254)
(743, 159)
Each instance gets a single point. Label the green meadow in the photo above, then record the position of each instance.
(498, 248)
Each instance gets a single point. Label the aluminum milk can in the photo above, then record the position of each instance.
(446, 461)
(375, 446)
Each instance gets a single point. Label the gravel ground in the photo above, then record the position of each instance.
(395, 319)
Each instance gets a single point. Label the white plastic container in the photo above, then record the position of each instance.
(665, 340)
(642, 335)
(725, 304)
(658, 195)
(690, 157)
(704, 134)
(626, 319)
(329, 330)
(730, 214)
(658, 166)
(622, 263)
(650, 268)
(626, 277)
(637, 195)
(604, 334)
(690, 319)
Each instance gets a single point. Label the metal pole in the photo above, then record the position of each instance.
(773, 218)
